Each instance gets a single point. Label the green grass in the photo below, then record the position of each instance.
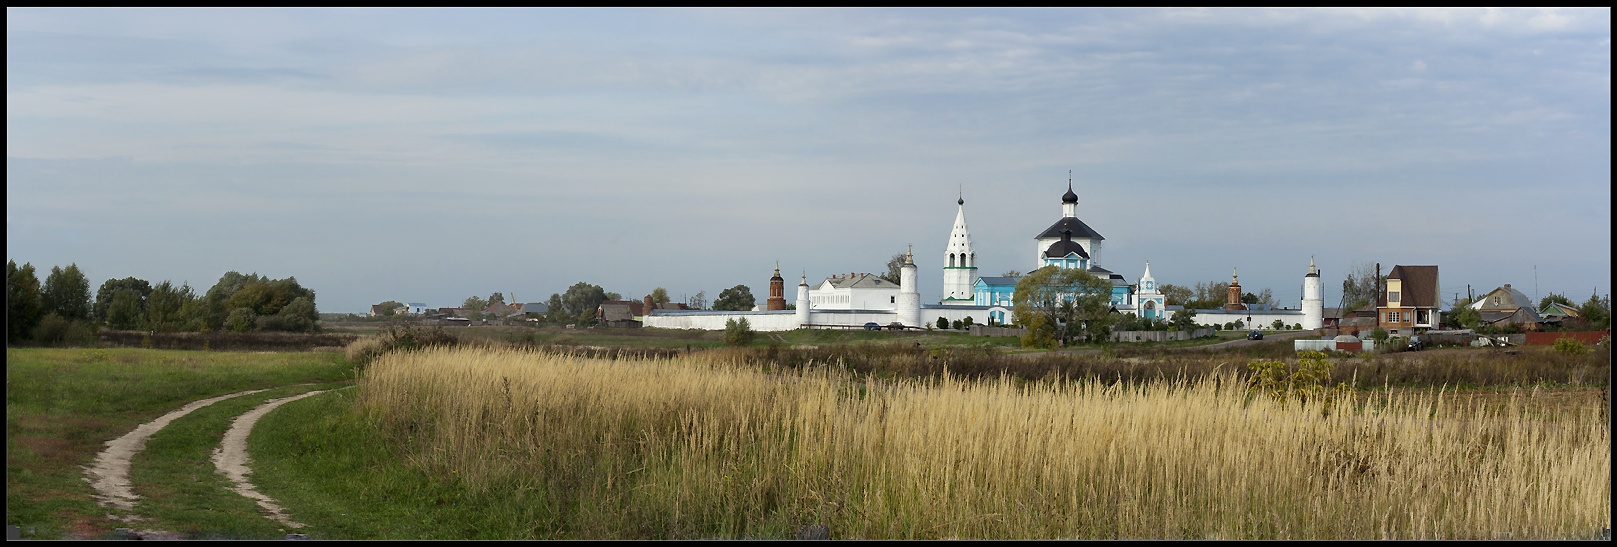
(181, 490)
(333, 471)
(62, 405)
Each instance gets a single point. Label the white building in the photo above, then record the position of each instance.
(855, 291)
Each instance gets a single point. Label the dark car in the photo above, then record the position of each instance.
(872, 326)
(1255, 335)
(1416, 344)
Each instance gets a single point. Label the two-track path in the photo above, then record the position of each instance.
(109, 475)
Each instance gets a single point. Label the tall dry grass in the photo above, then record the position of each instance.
(703, 446)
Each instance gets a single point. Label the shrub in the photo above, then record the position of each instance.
(1379, 335)
(1310, 381)
(1565, 344)
(737, 332)
(943, 323)
(956, 324)
(401, 338)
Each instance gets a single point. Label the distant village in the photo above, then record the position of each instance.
(1407, 298)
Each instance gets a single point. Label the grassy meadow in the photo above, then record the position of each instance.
(701, 447)
(868, 434)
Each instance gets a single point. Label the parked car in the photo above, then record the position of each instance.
(872, 326)
(1255, 335)
(1415, 343)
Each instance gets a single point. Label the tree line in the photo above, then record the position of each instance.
(62, 309)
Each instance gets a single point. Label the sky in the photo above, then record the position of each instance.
(429, 155)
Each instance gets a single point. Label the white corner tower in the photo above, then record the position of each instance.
(803, 302)
(1149, 302)
(959, 263)
(1313, 301)
(909, 301)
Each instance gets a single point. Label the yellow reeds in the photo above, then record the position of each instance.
(696, 446)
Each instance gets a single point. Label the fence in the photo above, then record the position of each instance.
(1549, 338)
(1158, 335)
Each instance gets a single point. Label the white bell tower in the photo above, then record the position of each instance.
(1313, 302)
(959, 262)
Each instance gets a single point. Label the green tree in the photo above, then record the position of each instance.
(1249, 298)
(1012, 273)
(1071, 301)
(1359, 287)
(299, 315)
(555, 311)
(737, 332)
(67, 293)
(239, 320)
(583, 299)
(1597, 311)
(737, 298)
(697, 302)
(496, 298)
(895, 267)
(215, 308)
(165, 308)
(24, 306)
(103, 296)
(943, 323)
(474, 307)
(1184, 319)
(125, 311)
(659, 295)
(1175, 295)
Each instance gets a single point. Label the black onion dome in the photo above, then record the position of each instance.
(1069, 197)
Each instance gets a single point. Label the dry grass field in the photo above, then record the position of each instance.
(705, 445)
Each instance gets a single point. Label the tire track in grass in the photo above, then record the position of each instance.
(231, 457)
(109, 475)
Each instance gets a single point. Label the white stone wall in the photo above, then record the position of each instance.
(1263, 319)
(715, 320)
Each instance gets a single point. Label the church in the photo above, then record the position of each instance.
(857, 299)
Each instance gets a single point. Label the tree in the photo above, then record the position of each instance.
(214, 307)
(1175, 295)
(125, 311)
(1359, 287)
(165, 308)
(555, 312)
(737, 332)
(1266, 296)
(1597, 311)
(698, 302)
(1012, 273)
(895, 266)
(659, 295)
(299, 315)
(737, 298)
(24, 306)
(1249, 298)
(1184, 319)
(238, 320)
(496, 298)
(1070, 301)
(583, 299)
(474, 307)
(943, 323)
(67, 293)
(103, 295)
(1463, 316)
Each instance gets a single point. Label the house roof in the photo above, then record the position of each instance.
(860, 281)
(1557, 308)
(1079, 229)
(996, 281)
(1509, 299)
(1420, 286)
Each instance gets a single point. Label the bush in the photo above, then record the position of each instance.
(53, 330)
(400, 338)
(1309, 381)
(738, 332)
(1565, 344)
(943, 323)
(1379, 335)
(956, 324)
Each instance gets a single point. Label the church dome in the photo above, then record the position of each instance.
(1069, 197)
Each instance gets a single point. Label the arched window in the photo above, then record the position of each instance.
(951, 260)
